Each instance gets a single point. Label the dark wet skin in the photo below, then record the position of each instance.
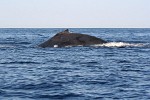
(66, 38)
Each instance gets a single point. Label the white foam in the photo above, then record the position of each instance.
(55, 46)
(119, 44)
(114, 44)
(6, 46)
(74, 46)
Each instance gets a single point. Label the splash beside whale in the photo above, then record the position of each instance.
(67, 38)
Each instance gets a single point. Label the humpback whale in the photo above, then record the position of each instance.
(66, 38)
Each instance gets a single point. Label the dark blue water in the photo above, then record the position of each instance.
(116, 70)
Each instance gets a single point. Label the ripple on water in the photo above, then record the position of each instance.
(115, 70)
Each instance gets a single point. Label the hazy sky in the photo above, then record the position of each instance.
(74, 13)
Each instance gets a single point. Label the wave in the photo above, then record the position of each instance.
(109, 44)
(21, 62)
(120, 44)
(117, 44)
(60, 96)
(6, 46)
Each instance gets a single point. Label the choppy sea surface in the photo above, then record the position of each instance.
(119, 69)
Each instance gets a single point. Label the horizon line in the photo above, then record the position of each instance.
(79, 27)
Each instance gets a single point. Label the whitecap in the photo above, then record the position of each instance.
(74, 46)
(55, 46)
(119, 44)
(6, 46)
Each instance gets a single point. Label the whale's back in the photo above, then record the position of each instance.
(66, 38)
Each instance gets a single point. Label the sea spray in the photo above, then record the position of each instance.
(119, 44)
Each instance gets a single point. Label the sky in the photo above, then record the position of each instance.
(74, 13)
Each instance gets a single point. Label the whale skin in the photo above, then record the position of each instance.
(66, 38)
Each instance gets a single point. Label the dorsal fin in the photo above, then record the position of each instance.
(63, 32)
(67, 30)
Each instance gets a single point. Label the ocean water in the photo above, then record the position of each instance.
(119, 69)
